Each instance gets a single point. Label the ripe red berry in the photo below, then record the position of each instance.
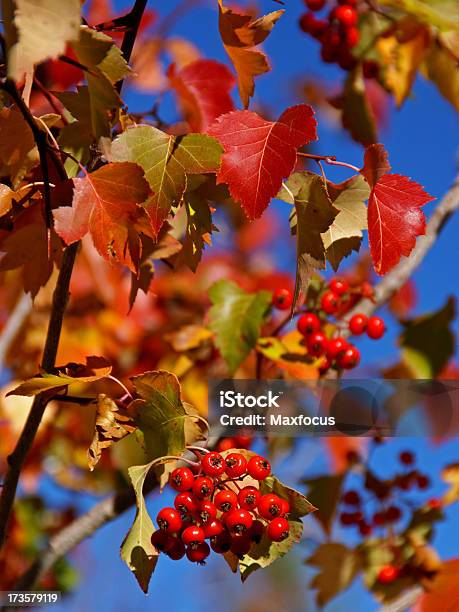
(317, 344)
(237, 520)
(186, 504)
(315, 5)
(226, 444)
(278, 529)
(248, 498)
(213, 464)
(423, 481)
(169, 520)
(351, 37)
(236, 465)
(346, 518)
(393, 514)
(240, 544)
(193, 535)
(338, 286)
(346, 60)
(285, 507)
(225, 500)
(328, 53)
(213, 528)
(365, 529)
(162, 540)
(358, 324)
(256, 531)
(203, 487)
(375, 328)
(388, 574)
(308, 323)
(181, 479)
(198, 553)
(177, 550)
(406, 457)
(349, 359)
(258, 467)
(269, 506)
(335, 347)
(282, 299)
(313, 26)
(329, 302)
(207, 511)
(435, 503)
(352, 498)
(346, 15)
(243, 441)
(221, 543)
(379, 518)
(370, 70)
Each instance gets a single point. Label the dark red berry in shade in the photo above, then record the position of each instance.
(226, 444)
(308, 323)
(346, 15)
(406, 457)
(186, 504)
(318, 28)
(351, 37)
(306, 22)
(348, 2)
(198, 553)
(269, 506)
(282, 299)
(317, 344)
(243, 441)
(177, 550)
(346, 518)
(338, 286)
(236, 465)
(329, 302)
(379, 518)
(278, 529)
(328, 53)
(237, 520)
(181, 479)
(169, 520)
(435, 503)
(213, 464)
(347, 61)
(207, 511)
(335, 347)
(225, 500)
(349, 359)
(193, 535)
(256, 531)
(248, 498)
(358, 324)
(203, 487)
(375, 328)
(393, 514)
(240, 544)
(370, 69)
(352, 498)
(258, 467)
(213, 528)
(315, 5)
(365, 529)
(221, 543)
(162, 541)
(388, 574)
(422, 481)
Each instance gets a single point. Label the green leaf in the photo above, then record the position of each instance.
(137, 551)
(236, 318)
(76, 137)
(357, 115)
(338, 566)
(443, 14)
(166, 161)
(324, 492)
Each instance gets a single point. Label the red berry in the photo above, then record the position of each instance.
(238, 521)
(329, 302)
(325, 365)
(358, 324)
(406, 457)
(349, 359)
(221, 543)
(379, 518)
(226, 444)
(365, 529)
(351, 37)
(203, 487)
(346, 15)
(423, 481)
(348, 2)
(213, 464)
(177, 550)
(186, 504)
(213, 528)
(285, 507)
(278, 529)
(181, 479)
(370, 70)
(225, 500)
(313, 26)
(347, 61)
(346, 518)
(198, 553)
(258, 467)
(317, 344)
(169, 520)
(375, 328)
(257, 531)
(335, 347)
(329, 54)
(236, 465)
(193, 535)
(338, 286)
(207, 511)
(248, 498)
(388, 574)
(308, 323)
(162, 540)
(269, 506)
(243, 441)
(240, 545)
(352, 498)
(393, 514)
(435, 503)
(315, 5)
(282, 299)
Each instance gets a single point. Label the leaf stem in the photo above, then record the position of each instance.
(328, 159)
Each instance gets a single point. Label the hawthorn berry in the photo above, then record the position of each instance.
(225, 500)
(238, 520)
(248, 498)
(370, 70)
(282, 299)
(258, 467)
(169, 520)
(348, 2)
(186, 504)
(207, 511)
(352, 498)
(213, 464)
(317, 344)
(243, 441)
(338, 286)
(388, 574)
(358, 324)
(226, 444)
(379, 518)
(330, 302)
(365, 529)
(221, 543)
(313, 26)
(393, 514)
(278, 529)
(406, 457)
(236, 465)
(336, 346)
(240, 544)
(423, 481)
(308, 323)
(198, 553)
(256, 531)
(346, 518)
(269, 506)
(177, 550)
(181, 479)
(162, 540)
(203, 487)
(350, 358)
(435, 503)
(375, 328)
(285, 506)
(315, 5)
(346, 15)
(193, 535)
(213, 528)
(351, 37)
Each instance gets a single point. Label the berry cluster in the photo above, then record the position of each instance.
(215, 505)
(334, 301)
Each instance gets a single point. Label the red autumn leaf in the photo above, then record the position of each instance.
(203, 89)
(394, 216)
(106, 203)
(258, 154)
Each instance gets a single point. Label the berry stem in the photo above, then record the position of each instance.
(197, 449)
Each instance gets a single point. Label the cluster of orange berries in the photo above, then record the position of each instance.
(336, 300)
(212, 505)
